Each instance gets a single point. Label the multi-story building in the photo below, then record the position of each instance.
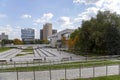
(41, 34)
(28, 35)
(54, 31)
(46, 31)
(3, 36)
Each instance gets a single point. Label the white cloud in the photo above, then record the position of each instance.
(12, 32)
(85, 1)
(90, 12)
(3, 15)
(26, 16)
(45, 18)
(112, 5)
(102, 5)
(65, 22)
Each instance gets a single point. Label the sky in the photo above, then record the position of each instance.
(63, 14)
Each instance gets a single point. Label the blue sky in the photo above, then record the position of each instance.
(17, 14)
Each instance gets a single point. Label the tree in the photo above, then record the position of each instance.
(17, 41)
(112, 39)
(6, 41)
(100, 34)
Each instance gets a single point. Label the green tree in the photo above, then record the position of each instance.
(17, 42)
(100, 34)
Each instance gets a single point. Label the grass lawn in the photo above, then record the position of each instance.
(30, 47)
(27, 50)
(2, 49)
(24, 54)
(62, 66)
(114, 77)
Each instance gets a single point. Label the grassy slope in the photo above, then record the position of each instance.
(2, 49)
(115, 77)
(63, 66)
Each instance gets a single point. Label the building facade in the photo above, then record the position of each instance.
(47, 31)
(27, 35)
(3, 36)
(56, 39)
(54, 31)
(41, 34)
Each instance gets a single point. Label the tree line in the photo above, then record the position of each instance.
(100, 35)
(20, 42)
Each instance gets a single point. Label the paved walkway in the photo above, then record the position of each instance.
(60, 74)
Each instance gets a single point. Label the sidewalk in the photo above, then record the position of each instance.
(62, 74)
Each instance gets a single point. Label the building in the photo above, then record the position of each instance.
(46, 31)
(3, 36)
(56, 39)
(41, 34)
(28, 35)
(54, 31)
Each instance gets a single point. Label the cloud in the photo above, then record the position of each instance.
(26, 16)
(91, 11)
(45, 18)
(112, 5)
(12, 32)
(85, 1)
(3, 15)
(15, 31)
(65, 22)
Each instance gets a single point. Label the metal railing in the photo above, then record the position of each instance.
(56, 70)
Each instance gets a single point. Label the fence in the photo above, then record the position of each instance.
(56, 70)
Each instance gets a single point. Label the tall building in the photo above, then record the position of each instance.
(46, 31)
(3, 36)
(54, 31)
(41, 34)
(28, 35)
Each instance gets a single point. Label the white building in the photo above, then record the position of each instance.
(55, 39)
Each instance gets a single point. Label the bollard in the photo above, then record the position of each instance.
(39, 65)
(15, 66)
(50, 71)
(80, 72)
(27, 66)
(93, 71)
(119, 69)
(34, 74)
(65, 73)
(17, 75)
(2, 69)
(106, 70)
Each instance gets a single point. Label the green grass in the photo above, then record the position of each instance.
(62, 66)
(30, 47)
(27, 50)
(24, 54)
(114, 77)
(2, 49)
